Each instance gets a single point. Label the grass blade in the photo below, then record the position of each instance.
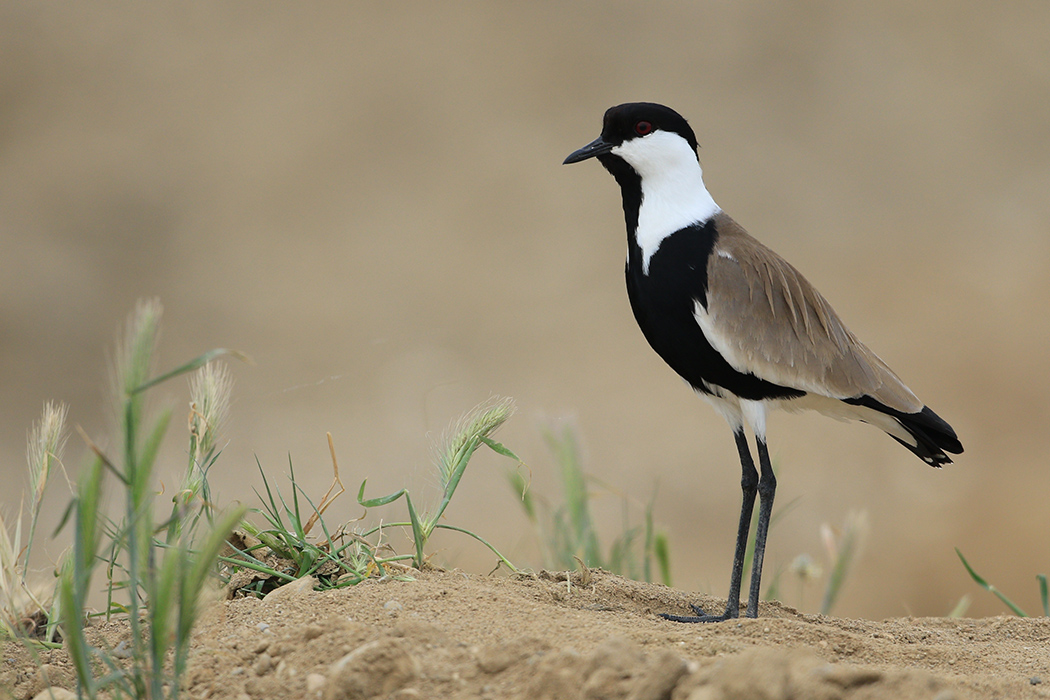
(662, 552)
(960, 608)
(506, 562)
(376, 502)
(149, 449)
(843, 553)
(577, 498)
(194, 364)
(499, 448)
(200, 565)
(989, 587)
(76, 575)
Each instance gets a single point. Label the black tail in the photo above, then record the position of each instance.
(933, 436)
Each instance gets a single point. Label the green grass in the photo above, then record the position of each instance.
(980, 581)
(152, 563)
(155, 569)
(566, 531)
(473, 431)
(152, 566)
(286, 547)
(287, 535)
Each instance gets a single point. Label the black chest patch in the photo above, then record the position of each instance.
(663, 302)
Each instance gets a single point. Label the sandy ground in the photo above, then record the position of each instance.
(552, 635)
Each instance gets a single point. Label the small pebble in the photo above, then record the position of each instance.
(55, 694)
(263, 664)
(315, 682)
(262, 626)
(1035, 680)
(296, 589)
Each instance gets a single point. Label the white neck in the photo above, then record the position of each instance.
(673, 191)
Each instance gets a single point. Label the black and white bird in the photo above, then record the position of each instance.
(737, 322)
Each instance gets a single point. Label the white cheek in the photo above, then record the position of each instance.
(673, 192)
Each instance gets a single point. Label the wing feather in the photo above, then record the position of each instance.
(765, 318)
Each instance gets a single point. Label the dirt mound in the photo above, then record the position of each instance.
(454, 635)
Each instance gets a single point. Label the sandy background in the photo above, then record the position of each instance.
(368, 199)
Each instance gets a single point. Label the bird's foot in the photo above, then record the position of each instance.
(700, 616)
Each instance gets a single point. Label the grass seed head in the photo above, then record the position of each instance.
(210, 389)
(44, 447)
(480, 422)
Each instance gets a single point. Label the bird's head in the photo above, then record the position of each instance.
(650, 138)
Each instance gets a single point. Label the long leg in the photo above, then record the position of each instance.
(767, 487)
(749, 485)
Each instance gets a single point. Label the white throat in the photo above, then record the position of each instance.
(673, 191)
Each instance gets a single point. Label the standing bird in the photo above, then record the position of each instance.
(742, 326)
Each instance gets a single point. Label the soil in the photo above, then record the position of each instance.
(449, 634)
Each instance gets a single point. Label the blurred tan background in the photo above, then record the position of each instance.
(368, 198)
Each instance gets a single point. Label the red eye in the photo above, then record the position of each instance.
(643, 128)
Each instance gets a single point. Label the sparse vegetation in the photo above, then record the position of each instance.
(842, 546)
(26, 607)
(566, 532)
(284, 549)
(155, 570)
(264, 558)
(473, 430)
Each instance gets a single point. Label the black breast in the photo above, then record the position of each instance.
(663, 301)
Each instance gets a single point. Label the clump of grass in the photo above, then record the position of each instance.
(264, 558)
(566, 532)
(472, 431)
(156, 570)
(980, 581)
(27, 607)
(285, 549)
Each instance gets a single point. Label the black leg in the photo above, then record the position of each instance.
(767, 488)
(749, 485)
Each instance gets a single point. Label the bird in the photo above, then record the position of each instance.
(739, 323)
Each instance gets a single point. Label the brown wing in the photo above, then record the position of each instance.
(767, 319)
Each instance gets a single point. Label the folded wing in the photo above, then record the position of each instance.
(766, 319)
